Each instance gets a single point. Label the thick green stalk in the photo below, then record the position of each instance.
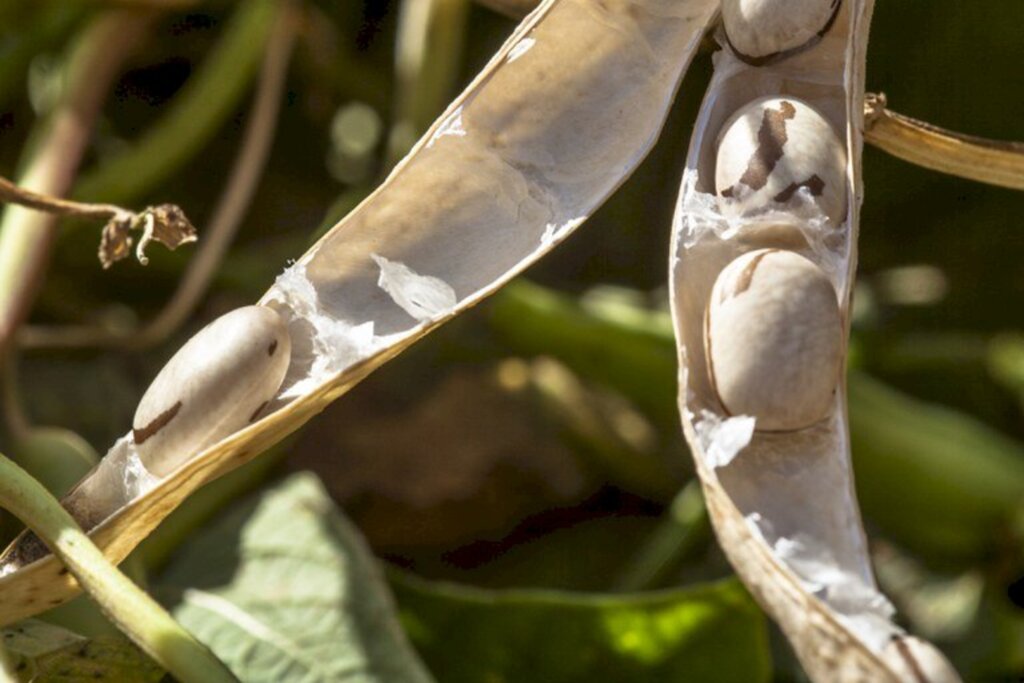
(193, 117)
(128, 606)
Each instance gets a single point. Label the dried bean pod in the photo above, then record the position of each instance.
(782, 502)
(765, 31)
(217, 383)
(555, 122)
(774, 340)
(773, 153)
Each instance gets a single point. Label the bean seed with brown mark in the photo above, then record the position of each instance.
(774, 340)
(218, 382)
(771, 150)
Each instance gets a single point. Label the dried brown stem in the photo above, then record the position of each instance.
(988, 161)
(227, 216)
(166, 223)
(12, 194)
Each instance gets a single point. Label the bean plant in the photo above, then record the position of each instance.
(762, 463)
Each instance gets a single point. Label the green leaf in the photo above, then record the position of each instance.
(285, 589)
(710, 632)
(41, 652)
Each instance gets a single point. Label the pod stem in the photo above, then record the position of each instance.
(128, 606)
(994, 162)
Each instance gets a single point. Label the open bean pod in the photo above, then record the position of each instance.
(554, 123)
(763, 259)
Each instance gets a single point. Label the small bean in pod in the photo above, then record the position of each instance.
(774, 340)
(216, 384)
(765, 31)
(780, 153)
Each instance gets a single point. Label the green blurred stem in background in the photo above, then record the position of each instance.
(428, 55)
(195, 115)
(51, 22)
(938, 481)
(683, 529)
(137, 614)
(26, 236)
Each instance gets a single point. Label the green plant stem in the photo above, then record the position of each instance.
(193, 117)
(134, 612)
(26, 236)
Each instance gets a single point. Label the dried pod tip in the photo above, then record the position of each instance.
(217, 383)
(773, 340)
(765, 31)
(781, 154)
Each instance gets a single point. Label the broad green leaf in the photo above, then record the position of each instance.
(710, 633)
(285, 589)
(42, 652)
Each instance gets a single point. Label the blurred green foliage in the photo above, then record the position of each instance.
(936, 393)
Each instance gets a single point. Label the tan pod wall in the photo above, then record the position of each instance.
(780, 491)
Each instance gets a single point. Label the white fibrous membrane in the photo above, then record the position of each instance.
(556, 232)
(698, 217)
(722, 439)
(424, 297)
(137, 479)
(322, 346)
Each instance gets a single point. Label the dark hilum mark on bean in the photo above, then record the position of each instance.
(143, 434)
(908, 657)
(815, 184)
(272, 348)
(256, 413)
(771, 138)
(746, 278)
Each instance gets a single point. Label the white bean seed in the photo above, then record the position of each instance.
(217, 383)
(781, 154)
(773, 340)
(916, 660)
(761, 31)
